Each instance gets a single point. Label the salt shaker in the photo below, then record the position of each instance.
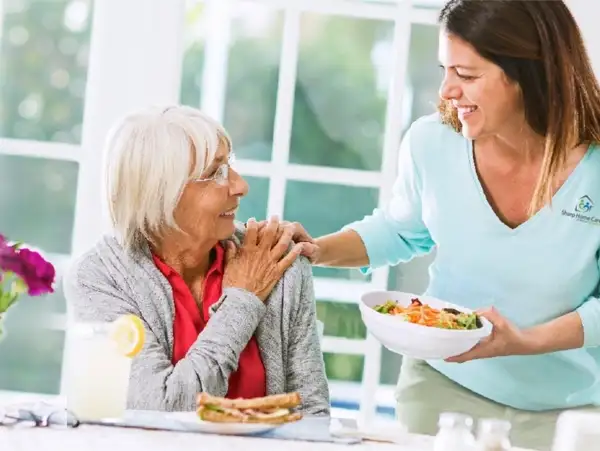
(493, 435)
(455, 433)
(577, 431)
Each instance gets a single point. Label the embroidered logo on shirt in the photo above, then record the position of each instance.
(584, 205)
(582, 209)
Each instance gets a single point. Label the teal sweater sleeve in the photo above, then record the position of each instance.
(396, 233)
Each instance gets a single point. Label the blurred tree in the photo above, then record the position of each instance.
(43, 67)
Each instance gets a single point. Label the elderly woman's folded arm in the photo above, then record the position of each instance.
(160, 385)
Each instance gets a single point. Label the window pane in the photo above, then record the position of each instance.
(44, 49)
(324, 208)
(255, 203)
(193, 57)
(344, 367)
(252, 74)
(344, 320)
(390, 367)
(37, 201)
(424, 76)
(31, 352)
(341, 320)
(340, 102)
(252, 79)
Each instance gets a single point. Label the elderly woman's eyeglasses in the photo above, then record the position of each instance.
(40, 415)
(221, 174)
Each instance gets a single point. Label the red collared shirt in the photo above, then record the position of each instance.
(249, 380)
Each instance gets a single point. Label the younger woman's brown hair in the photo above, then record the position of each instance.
(537, 44)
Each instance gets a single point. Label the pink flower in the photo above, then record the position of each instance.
(30, 266)
(9, 259)
(37, 273)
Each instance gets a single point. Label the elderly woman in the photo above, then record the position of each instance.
(227, 310)
(504, 184)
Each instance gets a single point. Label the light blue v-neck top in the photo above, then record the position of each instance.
(543, 269)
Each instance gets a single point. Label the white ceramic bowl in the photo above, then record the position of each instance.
(415, 340)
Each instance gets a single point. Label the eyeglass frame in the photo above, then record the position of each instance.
(221, 175)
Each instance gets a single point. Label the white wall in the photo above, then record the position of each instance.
(587, 13)
(136, 56)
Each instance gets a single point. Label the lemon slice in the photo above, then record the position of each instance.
(127, 333)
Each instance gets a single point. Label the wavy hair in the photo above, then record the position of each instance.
(539, 46)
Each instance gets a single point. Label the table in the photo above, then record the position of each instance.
(100, 438)
(95, 438)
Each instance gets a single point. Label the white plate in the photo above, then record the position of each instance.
(190, 421)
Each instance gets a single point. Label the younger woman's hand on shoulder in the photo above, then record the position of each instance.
(310, 248)
(259, 263)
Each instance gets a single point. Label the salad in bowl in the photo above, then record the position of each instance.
(422, 327)
(418, 313)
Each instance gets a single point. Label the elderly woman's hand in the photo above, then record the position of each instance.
(262, 259)
(299, 235)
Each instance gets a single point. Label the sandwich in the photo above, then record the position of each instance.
(274, 409)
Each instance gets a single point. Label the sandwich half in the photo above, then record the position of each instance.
(274, 409)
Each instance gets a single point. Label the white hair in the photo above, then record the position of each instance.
(148, 161)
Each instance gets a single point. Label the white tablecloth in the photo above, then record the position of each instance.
(102, 438)
(96, 438)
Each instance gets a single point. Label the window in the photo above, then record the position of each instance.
(311, 204)
(44, 50)
(305, 96)
(341, 92)
(323, 144)
(243, 93)
(316, 101)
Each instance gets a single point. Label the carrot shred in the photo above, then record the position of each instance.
(423, 314)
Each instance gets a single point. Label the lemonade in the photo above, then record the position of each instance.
(98, 366)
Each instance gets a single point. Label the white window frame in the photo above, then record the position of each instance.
(122, 76)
